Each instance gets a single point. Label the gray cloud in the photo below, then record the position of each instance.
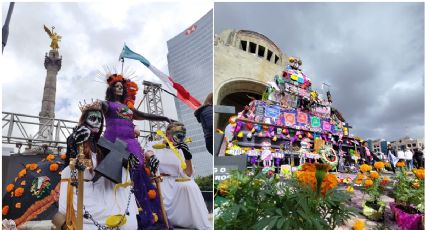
(372, 55)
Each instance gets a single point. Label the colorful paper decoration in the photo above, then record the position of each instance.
(272, 111)
(294, 77)
(289, 119)
(302, 118)
(326, 126)
(315, 122)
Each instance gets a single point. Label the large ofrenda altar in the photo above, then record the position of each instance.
(292, 124)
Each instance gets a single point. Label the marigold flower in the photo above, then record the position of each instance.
(22, 173)
(368, 183)
(379, 165)
(419, 173)
(374, 175)
(5, 210)
(152, 194)
(63, 156)
(32, 166)
(365, 168)
(308, 167)
(9, 187)
(329, 182)
(387, 164)
(401, 164)
(350, 189)
(18, 205)
(53, 167)
(23, 182)
(50, 157)
(359, 225)
(19, 191)
(307, 178)
(416, 185)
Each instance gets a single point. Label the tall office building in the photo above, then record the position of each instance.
(190, 63)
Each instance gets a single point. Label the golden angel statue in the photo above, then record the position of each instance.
(54, 36)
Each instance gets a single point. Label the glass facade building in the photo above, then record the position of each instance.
(190, 63)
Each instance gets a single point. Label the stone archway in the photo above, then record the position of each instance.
(236, 93)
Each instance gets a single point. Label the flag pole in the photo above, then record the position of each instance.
(122, 66)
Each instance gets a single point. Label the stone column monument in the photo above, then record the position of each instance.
(52, 63)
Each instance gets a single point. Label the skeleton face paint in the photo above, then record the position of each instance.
(118, 89)
(94, 121)
(177, 134)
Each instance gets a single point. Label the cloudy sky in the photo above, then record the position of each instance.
(372, 55)
(93, 36)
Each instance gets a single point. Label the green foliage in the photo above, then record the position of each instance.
(205, 183)
(405, 193)
(259, 202)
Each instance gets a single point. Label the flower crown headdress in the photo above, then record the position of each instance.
(113, 77)
(95, 105)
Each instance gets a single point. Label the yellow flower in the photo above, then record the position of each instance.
(374, 175)
(368, 183)
(419, 173)
(365, 168)
(329, 182)
(400, 164)
(350, 189)
(415, 185)
(379, 165)
(359, 225)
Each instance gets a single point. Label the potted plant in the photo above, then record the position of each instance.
(408, 208)
(307, 200)
(372, 187)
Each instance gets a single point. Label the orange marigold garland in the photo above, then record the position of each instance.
(5, 210)
(50, 157)
(22, 173)
(54, 167)
(10, 187)
(63, 156)
(19, 191)
(152, 194)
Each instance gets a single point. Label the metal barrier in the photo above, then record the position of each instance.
(23, 129)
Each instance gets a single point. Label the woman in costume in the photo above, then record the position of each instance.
(182, 197)
(102, 191)
(119, 114)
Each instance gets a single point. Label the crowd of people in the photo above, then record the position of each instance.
(138, 199)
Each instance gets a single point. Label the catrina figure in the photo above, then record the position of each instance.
(115, 202)
(119, 115)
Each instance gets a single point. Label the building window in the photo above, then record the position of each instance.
(252, 47)
(261, 51)
(243, 45)
(269, 55)
(414, 144)
(276, 59)
(409, 145)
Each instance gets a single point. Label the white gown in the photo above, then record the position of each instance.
(183, 201)
(100, 200)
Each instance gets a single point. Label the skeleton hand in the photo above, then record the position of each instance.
(81, 135)
(133, 161)
(153, 164)
(186, 151)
